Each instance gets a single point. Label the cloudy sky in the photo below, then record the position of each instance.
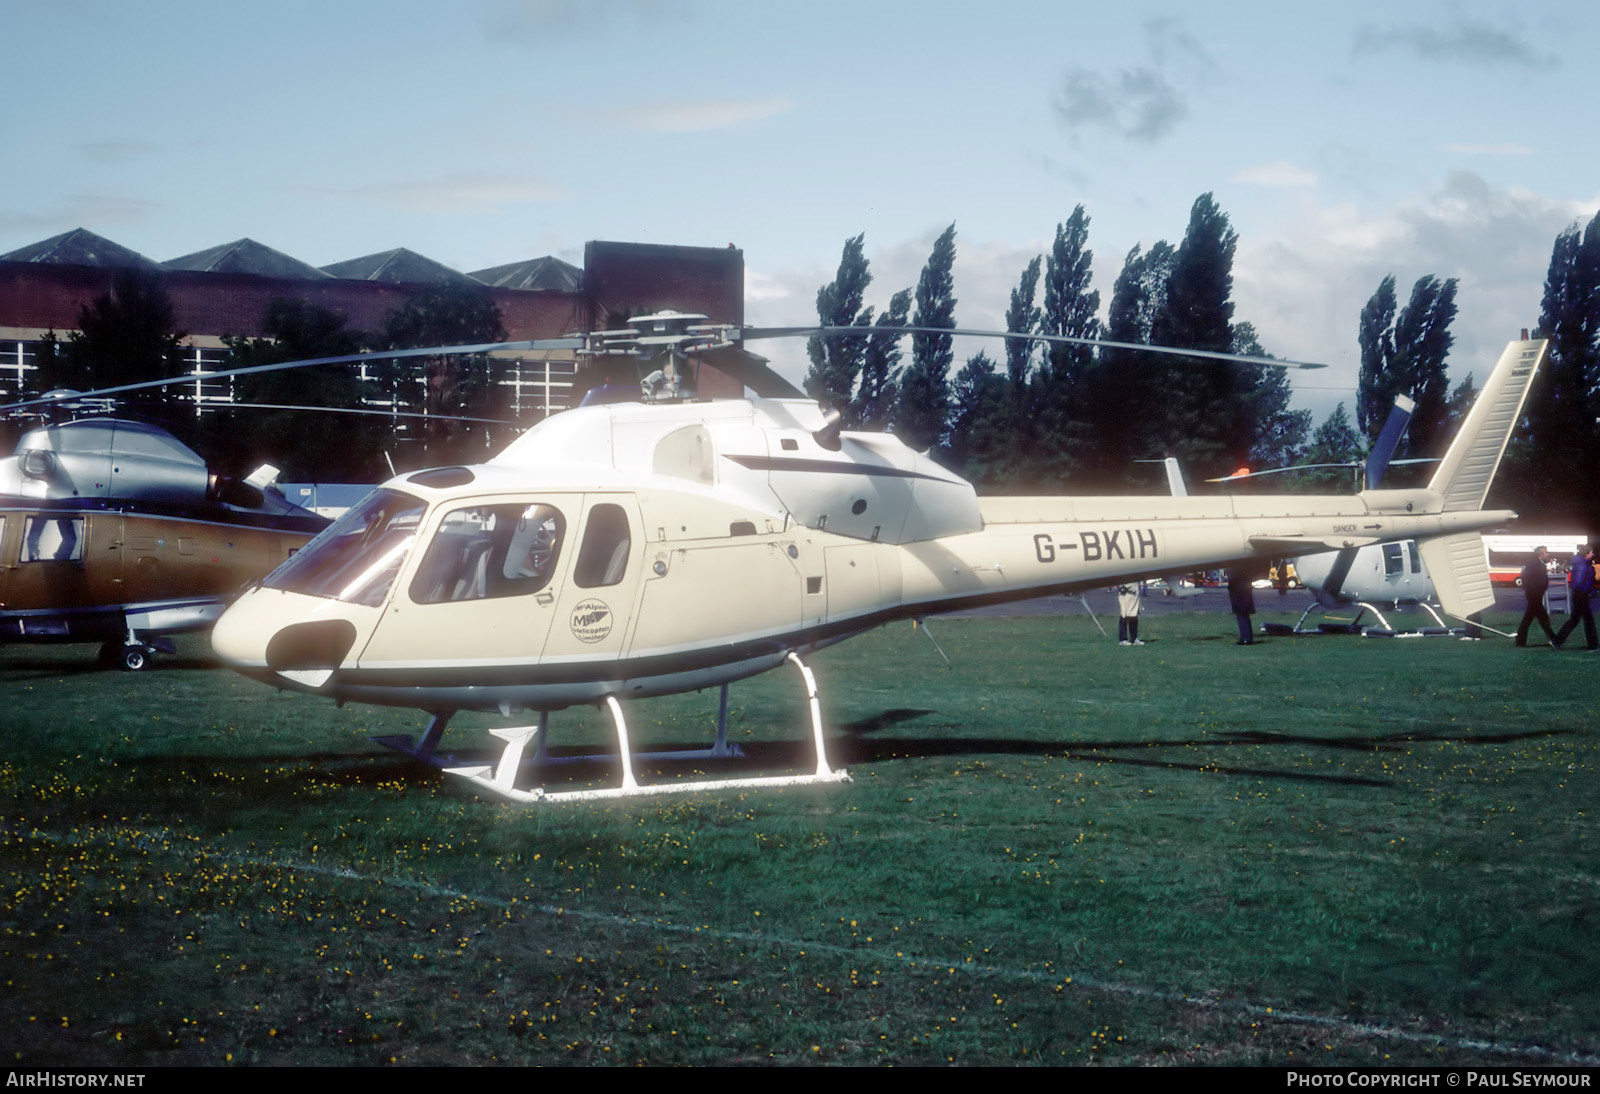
(1453, 139)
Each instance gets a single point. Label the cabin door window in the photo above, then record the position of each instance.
(490, 551)
(603, 558)
(52, 539)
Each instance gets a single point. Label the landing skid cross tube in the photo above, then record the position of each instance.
(1384, 629)
(500, 778)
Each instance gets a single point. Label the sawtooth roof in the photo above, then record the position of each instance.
(398, 266)
(548, 273)
(246, 256)
(80, 247)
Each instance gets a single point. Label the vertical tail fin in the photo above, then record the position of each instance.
(1468, 468)
(1175, 478)
(1456, 563)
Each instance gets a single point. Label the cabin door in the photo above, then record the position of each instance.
(484, 591)
(595, 605)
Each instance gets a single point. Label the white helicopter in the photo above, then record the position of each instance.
(626, 551)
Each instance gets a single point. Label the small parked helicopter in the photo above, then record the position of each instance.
(626, 551)
(1365, 577)
(116, 532)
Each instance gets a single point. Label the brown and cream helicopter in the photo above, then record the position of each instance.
(623, 551)
(114, 531)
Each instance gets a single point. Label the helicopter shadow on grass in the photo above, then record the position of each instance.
(296, 776)
(859, 750)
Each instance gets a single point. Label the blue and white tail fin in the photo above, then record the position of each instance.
(1394, 427)
(1456, 563)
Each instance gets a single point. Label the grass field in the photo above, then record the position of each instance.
(1322, 851)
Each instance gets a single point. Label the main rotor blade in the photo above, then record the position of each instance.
(372, 410)
(756, 333)
(751, 370)
(280, 366)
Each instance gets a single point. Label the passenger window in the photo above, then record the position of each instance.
(1393, 562)
(1416, 558)
(490, 551)
(603, 558)
(52, 539)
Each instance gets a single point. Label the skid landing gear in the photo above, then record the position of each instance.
(500, 778)
(1382, 630)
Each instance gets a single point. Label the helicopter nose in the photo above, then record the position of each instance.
(283, 632)
(240, 635)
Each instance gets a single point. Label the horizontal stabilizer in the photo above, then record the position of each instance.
(1459, 571)
(263, 476)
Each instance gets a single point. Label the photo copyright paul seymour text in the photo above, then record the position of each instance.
(1471, 1079)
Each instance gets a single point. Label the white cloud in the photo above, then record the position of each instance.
(1461, 41)
(1304, 288)
(1281, 173)
(763, 288)
(1144, 103)
(1139, 104)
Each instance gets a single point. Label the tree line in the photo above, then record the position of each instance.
(1060, 416)
(1079, 418)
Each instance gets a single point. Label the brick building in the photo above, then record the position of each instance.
(224, 291)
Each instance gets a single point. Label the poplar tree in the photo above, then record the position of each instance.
(924, 396)
(836, 358)
(1138, 384)
(1208, 420)
(1014, 461)
(1375, 386)
(1404, 354)
(880, 366)
(1422, 342)
(1062, 396)
(1022, 317)
(1561, 440)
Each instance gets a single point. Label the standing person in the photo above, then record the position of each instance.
(1128, 614)
(1242, 599)
(1535, 581)
(1580, 576)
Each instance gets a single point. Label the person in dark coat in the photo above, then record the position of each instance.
(1580, 579)
(1242, 599)
(1535, 581)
